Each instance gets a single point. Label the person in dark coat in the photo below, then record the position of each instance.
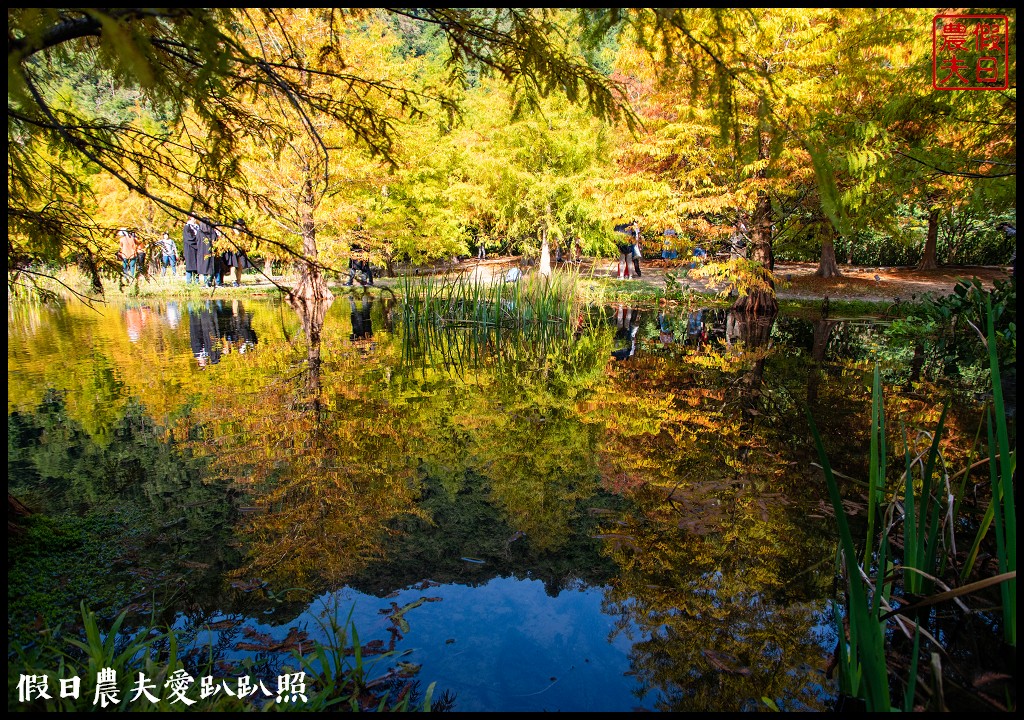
(190, 249)
(235, 258)
(205, 261)
(220, 266)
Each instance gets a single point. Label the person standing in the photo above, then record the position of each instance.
(635, 250)
(625, 246)
(219, 250)
(190, 237)
(668, 244)
(141, 255)
(235, 258)
(205, 261)
(128, 251)
(168, 254)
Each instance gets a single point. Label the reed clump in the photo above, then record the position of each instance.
(909, 593)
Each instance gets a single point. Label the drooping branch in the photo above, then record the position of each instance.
(954, 173)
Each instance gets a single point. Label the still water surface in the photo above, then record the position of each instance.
(624, 518)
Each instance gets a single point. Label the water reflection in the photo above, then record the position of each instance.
(203, 334)
(362, 325)
(172, 314)
(216, 327)
(627, 324)
(136, 317)
(656, 517)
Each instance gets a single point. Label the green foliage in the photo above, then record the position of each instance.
(58, 556)
(116, 517)
(737, 276)
(542, 304)
(344, 681)
(1002, 472)
(943, 337)
(967, 237)
(972, 304)
(196, 74)
(443, 128)
(862, 668)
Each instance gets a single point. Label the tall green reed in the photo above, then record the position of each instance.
(458, 320)
(1002, 470)
(863, 671)
(928, 499)
(345, 680)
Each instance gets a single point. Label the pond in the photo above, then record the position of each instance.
(629, 517)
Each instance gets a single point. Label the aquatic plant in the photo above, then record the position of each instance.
(531, 301)
(155, 658)
(339, 669)
(931, 510)
(464, 320)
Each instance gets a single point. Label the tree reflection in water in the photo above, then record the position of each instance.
(710, 557)
(679, 479)
(325, 464)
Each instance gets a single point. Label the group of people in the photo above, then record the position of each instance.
(206, 259)
(360, 270)
(207, 253)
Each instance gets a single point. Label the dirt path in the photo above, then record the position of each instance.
(798, 281)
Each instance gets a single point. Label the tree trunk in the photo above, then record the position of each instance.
(827, 265)
(916, 363)
(929, 260)
(312, 284)
(761, 302)
(88, 264)
(268, 267)
(752, 332)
